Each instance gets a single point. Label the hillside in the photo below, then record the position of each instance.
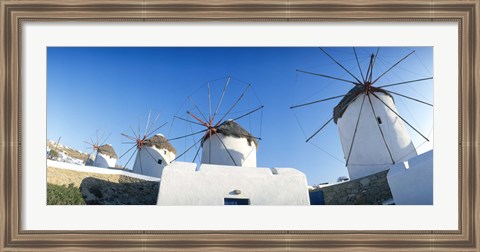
(76, 154)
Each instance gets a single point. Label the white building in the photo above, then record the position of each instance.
(154, 154)
(373, 150)
(411, 182)
(231, 177)
(183, 184)
(106, 156)
(231, 145)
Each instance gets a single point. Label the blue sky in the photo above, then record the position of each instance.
(111, 89)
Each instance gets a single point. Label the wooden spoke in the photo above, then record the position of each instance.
(129, 137)
(373, 65)
(139, 134)
(153, 131)
(405, 82)
(253, 111)
(151, 155)
(186, 120)
(220, 101)
(133, 131)
(380, 129)
(127, 151)
(229, 154)
(329, 77)
(369, 67)
(355, 131)
(316, 132)
(198, 109)
(234, 105)
(209, 104)
(198, 119)
(104, 141)
(400, 117)
(189, 148)
(198, 132)
(408, 97)
(325, 124)
(196, 154)
(392, 67)
(338, 63)
(317, 101)
(148, 121)
(131, 157)
(140, 160)
(358, 63)
(152, 125)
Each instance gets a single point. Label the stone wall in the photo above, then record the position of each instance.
(107, 189)
(370, 190)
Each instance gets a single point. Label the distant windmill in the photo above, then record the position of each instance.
(224, 141)
(372, 132)
(105, 155)
(153, 151)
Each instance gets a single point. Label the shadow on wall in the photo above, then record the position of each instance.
(237, 155)
(239, 158)
(126, 192)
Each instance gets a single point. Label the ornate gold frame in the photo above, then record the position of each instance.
(14, 12)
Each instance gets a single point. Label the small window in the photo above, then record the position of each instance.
(379, 120)
(165, 152)
(159, 161)
(232, 201)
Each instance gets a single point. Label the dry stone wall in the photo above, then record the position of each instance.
(370, 190)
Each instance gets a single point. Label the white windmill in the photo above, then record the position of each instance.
(224, 142)
(372, 132)
(153, 152)
(239, 143)
(105, 155)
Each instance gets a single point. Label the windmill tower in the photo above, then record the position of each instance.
(373, 134)
(229, 144)
(225, 142)
(152, 153)
(104, 154)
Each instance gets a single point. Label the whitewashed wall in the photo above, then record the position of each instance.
(102, 160)
(413, 186)
(243, 153)
(182, 185)
(369, 153)
(146, 161)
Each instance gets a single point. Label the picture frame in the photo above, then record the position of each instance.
(14, 13)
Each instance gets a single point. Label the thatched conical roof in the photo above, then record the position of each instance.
(108, 150)
(349, 97)
(231, 128)
(160, 142)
